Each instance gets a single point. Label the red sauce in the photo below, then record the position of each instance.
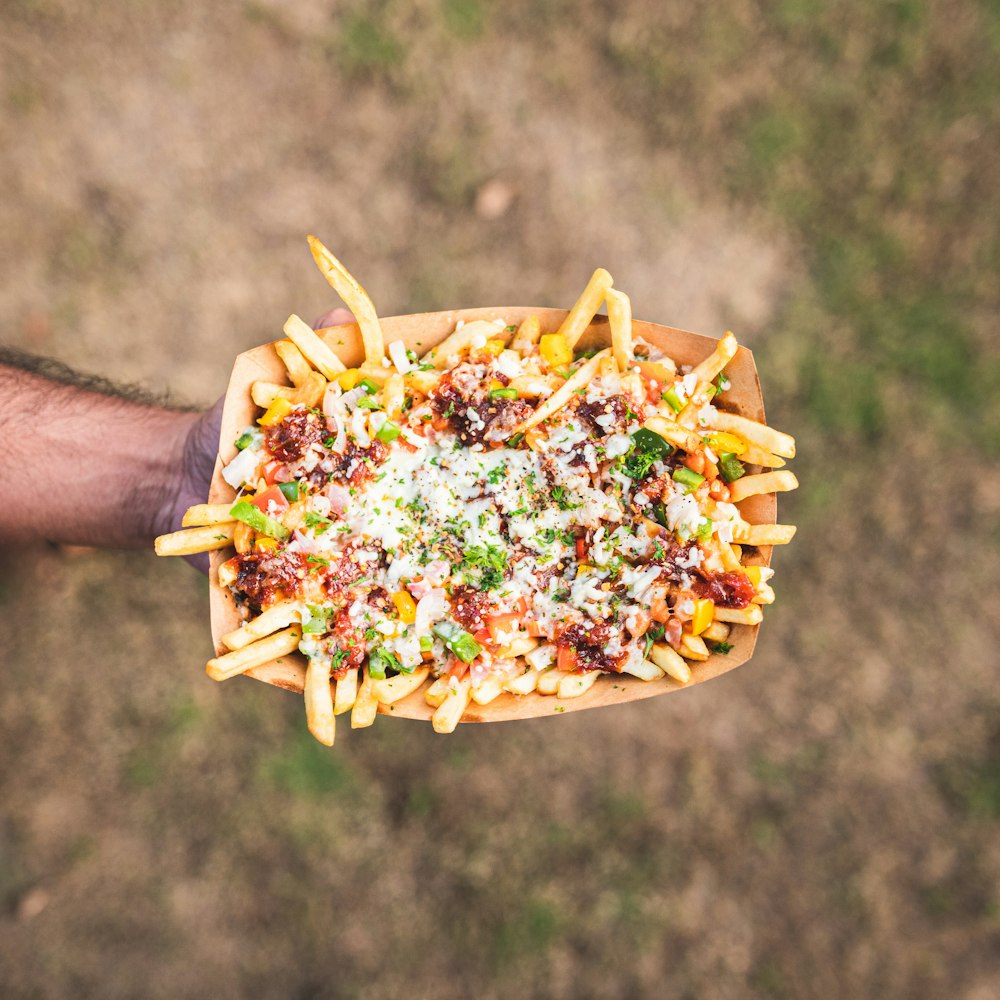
(462, 390)
(265, 577)
(589, 640)
(290, 438)
(346, 636)
(615, 406)
(470, 607)
(728, 590)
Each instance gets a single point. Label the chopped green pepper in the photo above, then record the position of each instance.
(368, 403)
(369, 385)
(388, 432)
(670, 397)
(290, 490)
(503, 393)
(516, 439)
(458, 641)
(730, 467)
(246, 512)
(317, 621)
(426, 644)
(380, 660)
(245, 440)
(687, 477)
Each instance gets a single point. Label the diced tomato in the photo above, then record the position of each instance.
(534, 629)
(458, 669)
(696, 463)
(521, 606)
(271, 495)
(566, 659)
(658, 610)
(581, 549)
(642, 620)
(498, 624)
(483, 635)
(276, 472)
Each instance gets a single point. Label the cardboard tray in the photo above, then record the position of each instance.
(421, 332)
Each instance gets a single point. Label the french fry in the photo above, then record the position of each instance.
(447, 715)
(276, 617)
(304, 337)
(365, 706)
(765, 594)
(673, 433)
(548, 681)
(243, 538)
(346, 692)
(574, 685)
(423, 382)
(670, 662)
(393, 395)
(228, 572)
(535, 385)
(517, 647)
(207, 513)
(187, 542)
(488, 690)
(393, 689)
(751, 615)
(308, 394)
(319, 701)
(693, 647)
(524, 683)
(294, 361)
(527, 335)
(645, 670)
(717, 631)
(755, 455)
(463, 339)
(725, 351)
(586, 306)
(221, 668)
(564, 393)
(764, 534)
(620, 319)
(437, 692)
(354, 296)
(765, 482)
(755, 433)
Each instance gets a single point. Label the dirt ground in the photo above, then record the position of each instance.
(820, 178)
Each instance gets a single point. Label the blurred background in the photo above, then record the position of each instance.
(819, 177)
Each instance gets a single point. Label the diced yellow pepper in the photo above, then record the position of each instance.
(753, 574)
(656, 372)
(406, 607)
(722, 442)
(704, 612)
(493, 347)
(264, 544)
(349, 379)
(276, 412)
(494, 384)
(555, 349)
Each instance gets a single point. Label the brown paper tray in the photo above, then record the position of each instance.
(421, 332)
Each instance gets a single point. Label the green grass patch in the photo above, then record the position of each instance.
(366, 45)
(308, 769)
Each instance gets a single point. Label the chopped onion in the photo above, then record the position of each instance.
(335, 423)
(338, 497)
(397, 351)
(241, 469)
(430, 608)
(358, 428)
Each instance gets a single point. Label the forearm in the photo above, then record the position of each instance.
(85, 467)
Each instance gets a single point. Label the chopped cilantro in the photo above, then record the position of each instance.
(318, 522)
(719, 647)
(490, 561)
(497, 473)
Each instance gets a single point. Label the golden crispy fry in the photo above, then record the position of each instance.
(670, 662)
(365, 706)
(239, 661)
(393, 689)
(518, 647)
(207, 513)
(549, 680)
(673, 433)
(724, 352)
(764, 534)
(276, 617)
(308, 394)
(755, 433)
(564, 394)
(186, 543)
(586, 306)
(319, 701)
(766, 482)
(574, 685)
(620, 319)
(294, 361)
(437, 692)
(524, 683)
(645, 670)
(243, 538)
(447, 715)
(755, 455)
(318, 354)
(228, 572)
(716, 632)
(463, 339)
(527, 336)
(354, 296)
(751, 615)
(487, 691)
(346, 692)
(693, 647)
(393, 395)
